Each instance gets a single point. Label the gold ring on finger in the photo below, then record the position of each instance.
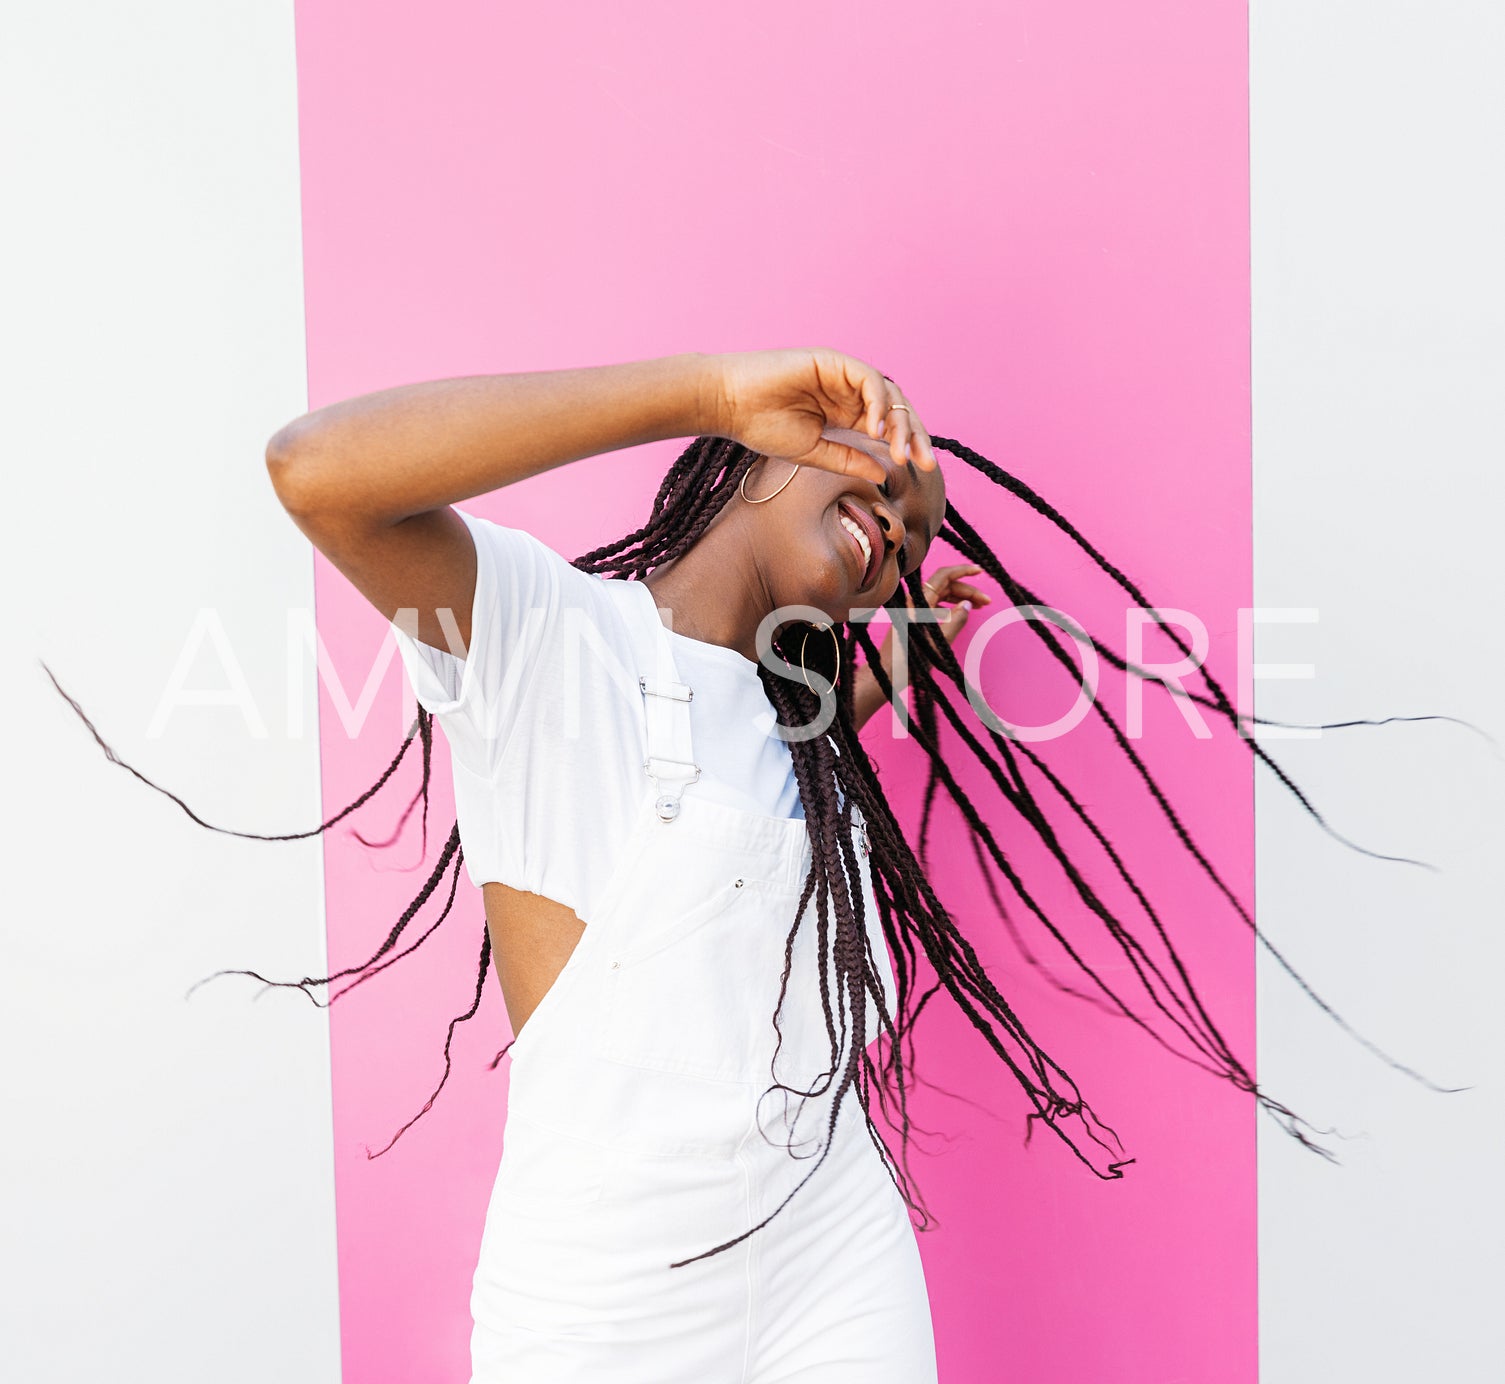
(905, 407)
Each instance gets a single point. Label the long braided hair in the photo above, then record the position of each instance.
(835, 777)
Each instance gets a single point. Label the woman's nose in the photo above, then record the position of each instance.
(892, 526)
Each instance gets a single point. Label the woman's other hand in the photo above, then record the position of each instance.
(944, 590)
(780, 403)
(945, 585)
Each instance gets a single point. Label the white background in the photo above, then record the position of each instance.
(1379, 438)
(168, 1200)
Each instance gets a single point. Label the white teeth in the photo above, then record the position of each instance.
(856, 530)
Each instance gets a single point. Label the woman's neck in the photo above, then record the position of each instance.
(714, 591)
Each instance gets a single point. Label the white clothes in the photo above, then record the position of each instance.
(545, 727)
(641, 1132)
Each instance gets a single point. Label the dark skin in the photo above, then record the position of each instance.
(370, 481)
(791, 549)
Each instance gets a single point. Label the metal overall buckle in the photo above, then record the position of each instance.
(678, 774)
(667, 802)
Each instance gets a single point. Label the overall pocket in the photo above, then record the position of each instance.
(679, 996)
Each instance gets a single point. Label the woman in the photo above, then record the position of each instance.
(649, 842)
(708, 925)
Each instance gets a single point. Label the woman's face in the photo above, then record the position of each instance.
(840, 543)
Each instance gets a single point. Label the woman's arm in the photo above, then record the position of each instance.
(381, 458)
(370, 479)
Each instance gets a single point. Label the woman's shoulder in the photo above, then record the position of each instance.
(522, 559)
(582, 623)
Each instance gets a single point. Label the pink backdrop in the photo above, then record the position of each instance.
(1032, 215)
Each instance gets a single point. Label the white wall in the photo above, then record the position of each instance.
(1379, 438)
(168, 1191)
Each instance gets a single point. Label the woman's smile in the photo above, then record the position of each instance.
(864, 539)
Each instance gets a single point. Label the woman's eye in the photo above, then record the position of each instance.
(883, 489)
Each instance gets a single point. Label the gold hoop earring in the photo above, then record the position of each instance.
(763, 500)
(835, 639)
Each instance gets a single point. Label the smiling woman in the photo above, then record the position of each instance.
(837, 541)
(748, 905)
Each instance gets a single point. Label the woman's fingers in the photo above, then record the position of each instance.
(907, 438)
(773, 401)
(899, 429)
(965, 591)
(844, 460)
(946, 584)
(924, 457)
(874, 389)
(955, 619)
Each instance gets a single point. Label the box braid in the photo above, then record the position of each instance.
(835, 776)
(838, 782)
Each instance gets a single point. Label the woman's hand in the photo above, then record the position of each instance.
(779, 403)
(944, 585)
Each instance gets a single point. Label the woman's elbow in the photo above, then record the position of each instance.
(291, 467)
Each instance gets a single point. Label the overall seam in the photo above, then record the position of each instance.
(749, 1261)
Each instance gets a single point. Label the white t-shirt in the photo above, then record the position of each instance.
(544, 720)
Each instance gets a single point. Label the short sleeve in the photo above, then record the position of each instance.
(516, 596)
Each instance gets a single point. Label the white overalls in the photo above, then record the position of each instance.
(633, 1136)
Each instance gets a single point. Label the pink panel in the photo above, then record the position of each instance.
(1034, 216)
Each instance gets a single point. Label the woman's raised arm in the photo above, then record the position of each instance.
(370, 479)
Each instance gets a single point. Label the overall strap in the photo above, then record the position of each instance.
(670, 761)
